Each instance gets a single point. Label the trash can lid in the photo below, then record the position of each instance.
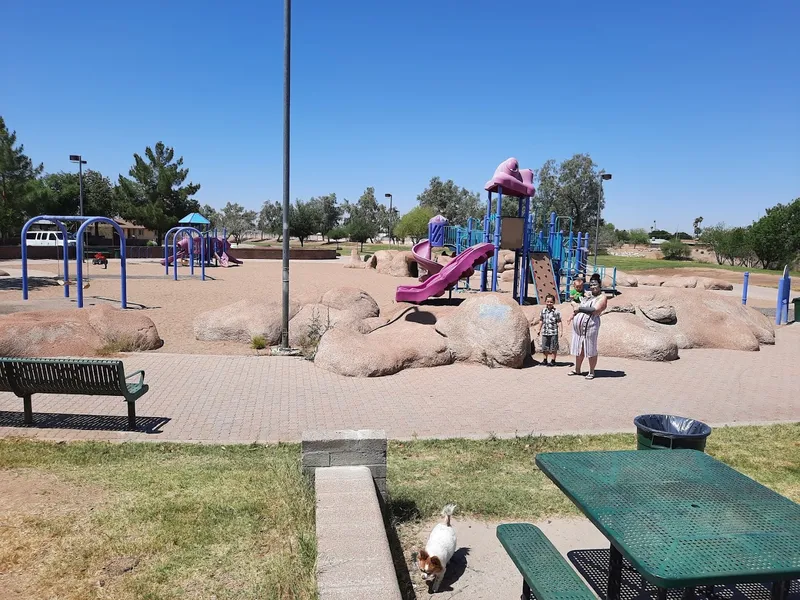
(672, 426)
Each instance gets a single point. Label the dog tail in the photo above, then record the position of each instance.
(447, 512)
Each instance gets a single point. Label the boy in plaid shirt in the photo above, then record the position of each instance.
(550, 328)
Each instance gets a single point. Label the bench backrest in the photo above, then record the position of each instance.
(25, 376)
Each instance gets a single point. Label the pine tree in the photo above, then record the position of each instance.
(18, 178)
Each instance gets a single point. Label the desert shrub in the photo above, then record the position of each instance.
(258, 342)
(675, 250)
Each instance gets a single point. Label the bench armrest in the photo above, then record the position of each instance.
(134, 374)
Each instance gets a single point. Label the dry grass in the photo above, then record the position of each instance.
(158, 521)
(122, 343)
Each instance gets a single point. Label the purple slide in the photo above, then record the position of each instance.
(422, 254)
(436, 285)
(221, 248)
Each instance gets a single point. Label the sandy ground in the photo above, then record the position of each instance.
(173, 305)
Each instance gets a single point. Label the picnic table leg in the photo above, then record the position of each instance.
(526, 591)
(662, 593)
(614, 573)
(28, 410)
(780, 590)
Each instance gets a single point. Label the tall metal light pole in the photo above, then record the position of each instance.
(603, 177)
(79, 159)
(287, 60)
(389, 196)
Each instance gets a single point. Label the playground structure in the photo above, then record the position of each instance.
(59, 221)
(196, 246)
(550, 260)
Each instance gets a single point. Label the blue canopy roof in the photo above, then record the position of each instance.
(194, 219)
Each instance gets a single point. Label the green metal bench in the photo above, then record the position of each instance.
(545, 573)
(27, 376)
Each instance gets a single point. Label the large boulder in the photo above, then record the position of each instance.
(355, 261)
(623, 335)
(90, 331)
(680, 282)
(384, 352)
(313, 320)
(650, 280)
(397, 263)
(709, 283)
(703, 319)
(356, 301)
(505, 261)
(241, 322)
(490, 329)
(660, 312)
(625, 279)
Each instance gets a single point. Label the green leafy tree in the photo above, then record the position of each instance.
(414, 224)
(337, 233)
(639, 237)
(18, 183)
(304, 220)
(572, 189)
(716, 238)
(155, 196)
(360, 230)
(368, 210)
(237, 221)
(270, 218)
(455, 203)
(330, 213)
(623, 235)
(661, 234)
(682, 235)
(210, 213)
(775, 237)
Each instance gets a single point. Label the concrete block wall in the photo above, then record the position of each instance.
(354, 561)
(347, 448)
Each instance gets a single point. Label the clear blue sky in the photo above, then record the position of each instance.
(693, 106)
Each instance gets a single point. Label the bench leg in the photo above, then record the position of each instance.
(526, 591)
(662, 594)
(27, 407)
(614, 573)
(131, 416)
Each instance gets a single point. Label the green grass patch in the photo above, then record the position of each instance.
(189, 521)
(631, 264)
(498, 479)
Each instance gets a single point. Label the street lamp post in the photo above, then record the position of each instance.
(287, 60)
(603, 177)
(77, 158)
(389, 196)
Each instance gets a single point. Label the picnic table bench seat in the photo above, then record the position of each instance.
(92, 377)
(545, 573)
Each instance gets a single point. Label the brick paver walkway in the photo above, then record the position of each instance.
(267, 399)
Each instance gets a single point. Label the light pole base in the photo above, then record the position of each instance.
(278, 351)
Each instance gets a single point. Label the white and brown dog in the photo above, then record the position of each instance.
(439, 550)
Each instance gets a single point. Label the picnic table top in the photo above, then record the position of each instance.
(681, 517)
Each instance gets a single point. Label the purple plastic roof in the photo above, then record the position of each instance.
(514, 181)
(438, 220)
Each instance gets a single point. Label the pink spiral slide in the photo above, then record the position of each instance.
(422, 254)
(436, 285)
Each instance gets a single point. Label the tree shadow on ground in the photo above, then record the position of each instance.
(150, 425)
(593, 566)
(15, 283)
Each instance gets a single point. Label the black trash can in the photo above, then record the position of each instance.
(668, 432)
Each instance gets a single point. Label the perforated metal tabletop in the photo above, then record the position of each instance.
(681, 517)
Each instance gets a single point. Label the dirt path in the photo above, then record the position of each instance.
(762, 279)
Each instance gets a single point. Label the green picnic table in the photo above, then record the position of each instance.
(682, 518)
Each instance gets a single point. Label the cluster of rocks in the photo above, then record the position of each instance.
(90, 331)
(654, 323)
(341, 308)
(397, 263)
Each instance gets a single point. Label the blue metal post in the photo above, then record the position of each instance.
(787, 290)
(175, 256)
(744, 287)
(24, 244)
(526, 253)
(779, 304)
(485, 271)
(79, 266)
(551, 233)
(496, 257)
